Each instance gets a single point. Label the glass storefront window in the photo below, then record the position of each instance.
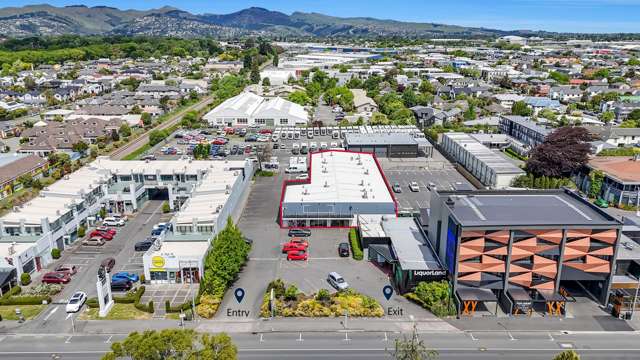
(159, 275)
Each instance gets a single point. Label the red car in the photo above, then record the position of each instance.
(265, 131)
(291, 246)
(219, 142)
(109, 230)
(300, 241)
(297, 255)
(56, 277)
(103, 234)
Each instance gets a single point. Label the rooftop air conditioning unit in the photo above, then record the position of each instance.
(364, 195)
(326, 184)
(366, 171)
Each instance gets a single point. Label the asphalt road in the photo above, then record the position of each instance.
(334, 345)
(54, 318)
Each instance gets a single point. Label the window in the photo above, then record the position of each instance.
(284, 121)
(261, 121)
(125, 177)
(159, 275)
(166, 177)
(242, 121)
(205, 229)
(150, 178)
(192, 177)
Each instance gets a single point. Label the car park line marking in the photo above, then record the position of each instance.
(50, 313)
(68, 316)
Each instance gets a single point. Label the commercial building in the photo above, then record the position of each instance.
(52, 219)
(521, 248)
(400, 246)
(491, 169)
(341, 186)
(621, 183)
(388, 144)
(523, 130)
(249, 109)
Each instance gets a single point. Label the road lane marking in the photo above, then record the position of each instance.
(300, 338)
(108, 340)
(68, 316)
(50, 313)
(472, 337)
(68, 340)
(2, 338)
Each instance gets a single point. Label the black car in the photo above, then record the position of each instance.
(143, 245)
(120, 284)
(299, 232)
(343, 249)
(276, 146)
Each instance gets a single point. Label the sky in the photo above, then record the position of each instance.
(597, 16)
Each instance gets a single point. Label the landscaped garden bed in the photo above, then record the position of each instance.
(289, 302)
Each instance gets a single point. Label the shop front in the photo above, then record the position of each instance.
(175, 263)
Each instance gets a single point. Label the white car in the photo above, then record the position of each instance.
(337, 281)
(413, 186)
(302, 177)
(75, 303)
(112, 221)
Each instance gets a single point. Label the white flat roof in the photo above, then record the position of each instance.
(18, 248)
(341, 176)
(183, 248)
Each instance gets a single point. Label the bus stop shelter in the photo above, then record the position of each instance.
(555, 302)
(521, 302)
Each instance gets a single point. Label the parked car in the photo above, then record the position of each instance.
(396, 188)
(144, 245)
(112, 221)
(108, 264)
(337, 281)
(56, 277)
(343, 249)
(302, 177)
(413, 186)
(76, 301)
(109, 230)
(287, 247)
(149, 157)
(101, 234)
(299, 232)
(601, 203)
(93, 241)
(300, 241)
(297, 255)
(69, 269)
(125, 275)
(121, 285)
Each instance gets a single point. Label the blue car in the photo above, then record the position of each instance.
(123, 275)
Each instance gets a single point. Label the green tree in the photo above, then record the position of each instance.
(276, 59)
(596, 178)
(567, 355)
(299, 97)
(146, 119)
(521, 108)
(173, 344)
(413, 348)
(559, 77)
(426, 87)
(255, 74)
(266, 82)
(125, 130)
(156, 136)
(80, 147)
(409, 97)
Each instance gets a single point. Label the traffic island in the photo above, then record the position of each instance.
(285, 300)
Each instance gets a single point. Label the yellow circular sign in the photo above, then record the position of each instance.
(157, 261)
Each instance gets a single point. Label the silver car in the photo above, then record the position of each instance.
(337, 281)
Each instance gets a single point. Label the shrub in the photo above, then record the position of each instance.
(208, 306)
(278, 286)
(82, 231)
(291, 293)
(25, 300)
(93, 303)
(142, 279)
(435, 297)
(44, 290)
(167, 306)
(151, 307)
(55, 253)
(13, 292)
(165, 207)
(356, 249)
(323, 295)
(25, 279)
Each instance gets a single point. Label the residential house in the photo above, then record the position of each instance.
(363, 103)
(13, 166)
(524, 130)
(565, 93)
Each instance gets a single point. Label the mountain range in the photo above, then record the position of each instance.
(39, 20)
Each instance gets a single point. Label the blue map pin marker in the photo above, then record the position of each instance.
(239, 293)
(387, 291)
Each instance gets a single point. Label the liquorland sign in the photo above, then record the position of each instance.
(429, 275)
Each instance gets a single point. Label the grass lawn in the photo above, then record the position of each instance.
(8, 312)
(118, 312)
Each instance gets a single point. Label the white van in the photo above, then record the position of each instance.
(324, 146)
(296, 169)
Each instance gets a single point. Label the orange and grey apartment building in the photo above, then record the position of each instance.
(521, 248)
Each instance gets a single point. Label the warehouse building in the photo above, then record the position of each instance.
(522, 249)
(491, 169)
(341, 186)
(249, 109)
(388, 144)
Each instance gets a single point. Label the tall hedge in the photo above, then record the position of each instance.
(224, 260)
